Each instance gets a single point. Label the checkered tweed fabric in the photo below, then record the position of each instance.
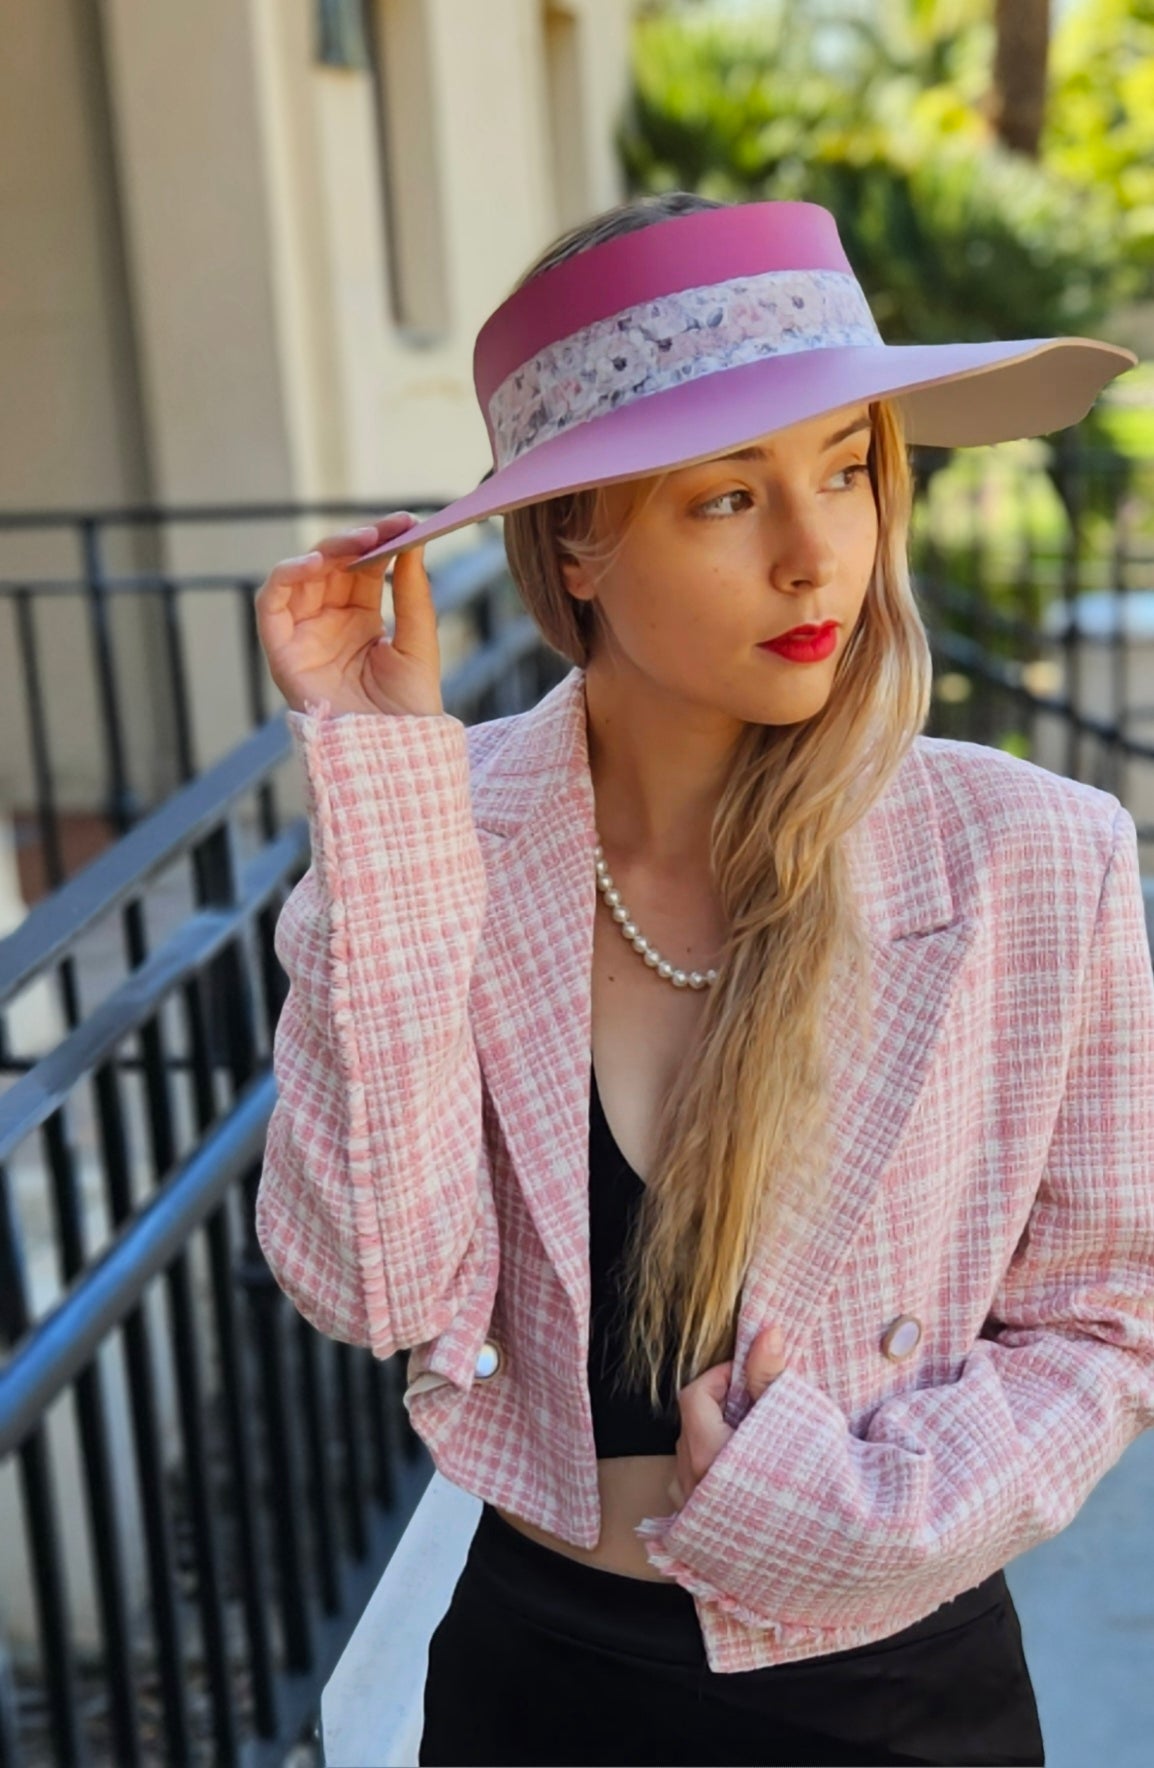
(425, 1177)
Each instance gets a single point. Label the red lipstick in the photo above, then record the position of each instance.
(805, 644)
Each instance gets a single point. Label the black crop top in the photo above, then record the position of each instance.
(623, 1422)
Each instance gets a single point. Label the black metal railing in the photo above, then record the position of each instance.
(137, 688)
(205, 1490)
(1036, 579)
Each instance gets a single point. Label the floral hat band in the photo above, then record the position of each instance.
(674, 338)
(697, 335)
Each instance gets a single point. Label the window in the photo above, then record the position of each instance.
(340, 34)
(414, 224)
(564, 91)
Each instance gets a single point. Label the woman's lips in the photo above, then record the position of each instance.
(804, 644)
(810, 630)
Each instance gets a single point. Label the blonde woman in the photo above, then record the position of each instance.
(738, 1104)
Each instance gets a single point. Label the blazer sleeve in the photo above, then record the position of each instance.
(800, 1522)
(374, 1207)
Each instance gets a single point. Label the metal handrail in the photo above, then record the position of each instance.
(117, 876)
(312, 1443)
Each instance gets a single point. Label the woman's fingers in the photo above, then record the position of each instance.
(315, 569)
(415, 617)
(320, 621)
(766, 1360)
(284, 577)
(367, 535)
(351, 544)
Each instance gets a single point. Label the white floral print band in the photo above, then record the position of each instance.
(660, 343)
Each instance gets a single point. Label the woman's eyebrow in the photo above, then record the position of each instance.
(759, 453)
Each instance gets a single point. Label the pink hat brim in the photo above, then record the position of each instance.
(950, 396)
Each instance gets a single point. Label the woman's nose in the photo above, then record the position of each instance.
(800, 553)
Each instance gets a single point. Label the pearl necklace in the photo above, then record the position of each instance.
(625, 921)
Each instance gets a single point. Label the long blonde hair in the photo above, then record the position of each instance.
(722, 1177)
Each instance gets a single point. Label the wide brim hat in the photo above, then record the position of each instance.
(704, 332)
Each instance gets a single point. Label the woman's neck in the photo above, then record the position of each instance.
(659, 766)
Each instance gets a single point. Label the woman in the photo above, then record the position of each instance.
(737, 1103)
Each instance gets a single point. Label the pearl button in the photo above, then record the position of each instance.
(902, 1337)
(488, 1360)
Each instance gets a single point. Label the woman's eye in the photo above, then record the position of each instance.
(710, 506)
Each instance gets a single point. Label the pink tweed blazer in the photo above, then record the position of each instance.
(425, 1177)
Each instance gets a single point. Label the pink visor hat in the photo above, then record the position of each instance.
(700, 334)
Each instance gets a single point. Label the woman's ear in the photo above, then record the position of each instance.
(577, 577)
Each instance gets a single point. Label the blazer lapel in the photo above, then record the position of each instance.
(534, 809)
(918, 944)
(532, 983)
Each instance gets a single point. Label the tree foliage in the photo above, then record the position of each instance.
(880, 114)
(1100, 125)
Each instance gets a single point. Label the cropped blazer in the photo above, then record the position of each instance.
(968, 1314)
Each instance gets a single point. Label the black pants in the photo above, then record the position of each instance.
(540, 1659)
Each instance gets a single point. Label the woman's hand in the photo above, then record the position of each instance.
(704, 1432)
(321, 629)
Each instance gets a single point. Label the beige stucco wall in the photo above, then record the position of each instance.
(71, 421)
(196, 291)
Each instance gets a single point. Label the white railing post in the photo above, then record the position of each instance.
(372, 1708)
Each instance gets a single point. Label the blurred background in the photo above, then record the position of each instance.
(248, 245)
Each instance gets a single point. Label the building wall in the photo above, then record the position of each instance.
(72, 429)
(234, 274)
